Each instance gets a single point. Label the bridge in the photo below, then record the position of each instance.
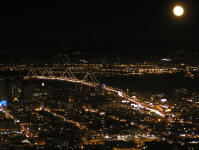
(90, 80)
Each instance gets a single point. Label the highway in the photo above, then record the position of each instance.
(142, 105)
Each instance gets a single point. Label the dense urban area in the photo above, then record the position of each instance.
(98, 105)
(99, 75)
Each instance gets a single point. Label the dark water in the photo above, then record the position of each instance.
(146, 83)
(152, 83)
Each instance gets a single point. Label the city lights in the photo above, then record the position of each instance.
(99, 75)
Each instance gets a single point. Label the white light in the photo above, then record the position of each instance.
(123, 101)
(183, 135)
(178, 10)
(163, 100)
(120, 94)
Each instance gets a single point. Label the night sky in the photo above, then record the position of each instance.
(125, 25)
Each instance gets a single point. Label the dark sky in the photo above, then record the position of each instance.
(135, 24)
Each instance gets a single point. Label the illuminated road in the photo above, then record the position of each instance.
(119, 92)
(27, 132)
(140, 104)
(82, 127)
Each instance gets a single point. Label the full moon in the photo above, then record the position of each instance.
(178, 11)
